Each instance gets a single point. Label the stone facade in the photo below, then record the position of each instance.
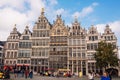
(40, 44)
(2, 44)
(77, 58)
(56, 46)
(11, 48)
(93, 37)
(25, 48)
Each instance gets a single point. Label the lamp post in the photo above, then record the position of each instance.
(39, 64)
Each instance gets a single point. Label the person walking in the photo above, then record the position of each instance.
(105, 76)
(31, 74)
(26, 73)
(90, 76)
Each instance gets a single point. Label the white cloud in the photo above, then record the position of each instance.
(24, 12)
(60, 11)
(76, 14)
(95, 4)
(12, 12)
(9, 17)
(13, 4)
(53, 2)
(114, 26)
(85, 11)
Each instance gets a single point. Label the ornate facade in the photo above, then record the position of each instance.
(77, 59)
(25, 48)
(93, 37)
(40, 44)
(11, 48)
(56, 46)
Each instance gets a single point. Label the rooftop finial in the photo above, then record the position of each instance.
(15, 25)
(27, 27)
(42, 11)
(76, 19)
(14, 29)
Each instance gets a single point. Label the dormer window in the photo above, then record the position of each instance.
(108, 32)
(73, 27)
(58, 31)
(26, 32)
(92, 32)
(25, 37)
(76, 27)
(13, 37)
(81, 33)
(111, 37)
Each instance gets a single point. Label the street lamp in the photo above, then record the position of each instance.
(39, 64)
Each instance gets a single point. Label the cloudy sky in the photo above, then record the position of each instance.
(89, 12)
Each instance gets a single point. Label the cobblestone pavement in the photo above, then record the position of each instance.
(54, 78)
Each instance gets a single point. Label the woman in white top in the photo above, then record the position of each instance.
(90, 76)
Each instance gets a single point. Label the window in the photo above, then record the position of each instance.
(54, 49)
(9, 45)
(92, 32)
(25, 37)
(11, 55)
(88, 46)
(7, 62)
(25, 61)
(18, 61)
(108, 37)
(79, 55)
(15, 55)
(89, 37)
(12, 45)
(83, 55)
(111, 37)
(14, 62)
(74, 54)
(8, 54)
(93, 38)
(92, 46)
(16, 45)
(96, 37)
(0, 54)
(10, 62)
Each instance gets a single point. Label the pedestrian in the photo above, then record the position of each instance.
(15, 73)
(90, 76)
(110, 74)
(22, 72)
(105, 76)
(80, 74)
(31, 74)
(26, 73)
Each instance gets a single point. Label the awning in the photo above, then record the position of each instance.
(5, 67)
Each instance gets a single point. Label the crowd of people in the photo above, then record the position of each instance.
(23, 73)
(27, 73)
(105, 76)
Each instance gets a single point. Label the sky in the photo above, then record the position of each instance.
(89, 12)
